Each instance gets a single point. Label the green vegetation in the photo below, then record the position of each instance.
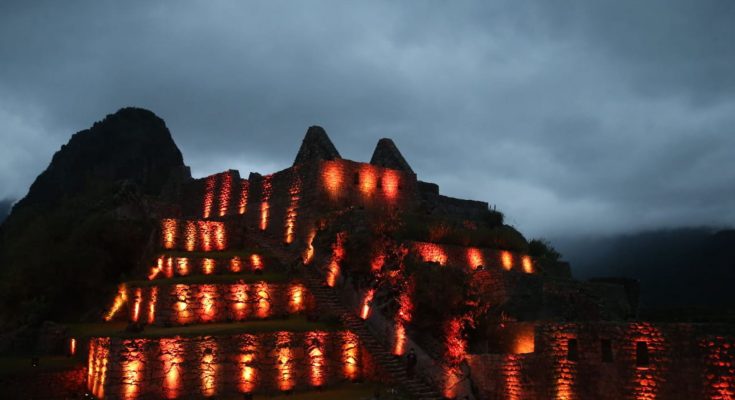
(542, 250)
(460, 232)
(204, 279)
(117, 329)
(349, 391)
(226, 254)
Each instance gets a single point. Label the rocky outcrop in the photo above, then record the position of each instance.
(87, 219)
(387, 155)
(131, 145)
(316, 146)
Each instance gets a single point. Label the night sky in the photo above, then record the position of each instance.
(573, 118)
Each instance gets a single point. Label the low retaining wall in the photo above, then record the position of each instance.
(184, 304)
(207, 366)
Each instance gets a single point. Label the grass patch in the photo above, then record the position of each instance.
(117, 329)
(22, 365)
(228, 278)
(242, 253)
(347, 391)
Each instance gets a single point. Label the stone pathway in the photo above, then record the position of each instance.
(327, 297)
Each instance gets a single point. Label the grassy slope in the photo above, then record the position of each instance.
(117, 329)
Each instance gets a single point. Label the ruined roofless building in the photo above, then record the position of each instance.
(352, 247)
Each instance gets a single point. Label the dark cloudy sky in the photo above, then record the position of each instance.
(572, 117)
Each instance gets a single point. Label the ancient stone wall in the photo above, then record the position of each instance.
(209, 366)
(183, 304)
(199, 235)
(612, 361)
(472, 257)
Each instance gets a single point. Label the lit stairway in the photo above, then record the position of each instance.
(326, 298)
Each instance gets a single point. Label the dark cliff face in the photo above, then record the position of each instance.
(87, 220)
(132, 145)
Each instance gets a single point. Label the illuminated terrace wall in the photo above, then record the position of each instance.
(172, 368)
(194, 235)
(214, 196)
(637, 361)
(472, 257)
(183, 304)
(173, 267)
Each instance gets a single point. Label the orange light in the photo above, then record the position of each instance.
(182, 266)
(120, 299)
(368, 179)
(719, 380)
(235, 264)
(391, 182)
(511, 371)
(132, 368)
(527, 264)
(332, 273)
(169, 271)
(169, 229)
(99, 350)
(208, 366)
(263, 301)
(403, 317)
(208, 296)
(309, 251)
(220, 236)
(377, 263)
(452, 377)
(157, 269)
(256, 262)
(475, 257)
(296, 303)
(338, 253)
(171, 357)
(350, 355)
(136, 304)
(284, 361)
(332, 178)
(209, 185)
(456, 345)
(208, 266)
(72, 347)
(524, 343)
(205, 235)
(239, 295)
(190, 236)
(243, 204)
(152, 305)
(647, 379)
(248, 372)
(181, 306)
(291, 212)
(431, 252)
(265, 197)
(564, 370)
(366, 302)
(400, 340)
(317, 362)
(225, 191)
(507, 260)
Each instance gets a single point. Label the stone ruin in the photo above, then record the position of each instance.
(355, 239)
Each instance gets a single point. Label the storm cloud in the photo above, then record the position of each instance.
(571, 117)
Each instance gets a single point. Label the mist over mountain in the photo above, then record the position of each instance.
(685, 267)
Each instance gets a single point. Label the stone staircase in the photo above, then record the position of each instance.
(326, 297)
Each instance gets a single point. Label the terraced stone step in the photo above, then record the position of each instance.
(193, 300)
